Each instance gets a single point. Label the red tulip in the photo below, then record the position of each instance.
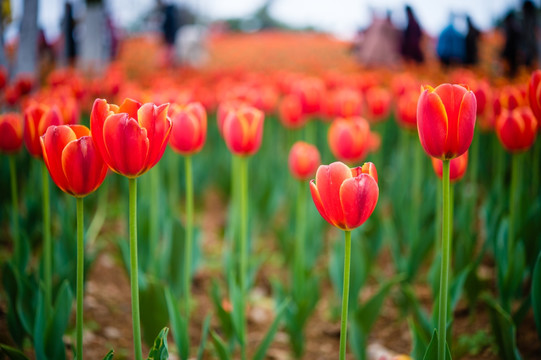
(189, 132)
(223, 111)
(243, 130)
(517, 129)
(311, 92)
(346, 103)
(378, 101)
(457, 167)
(446, 120)
(303, 160)
(345, 197)
(131, 138)
(406, 110)
(73, 160)
(534, 94)
(37, 118)
(11, 128)
(349, 139)
(291, 114)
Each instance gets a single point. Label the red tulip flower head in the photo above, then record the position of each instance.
(223, 111)
(457, 167)
(534, 94)
(290, 110)
(131, 138)
(517, 129)
(346, 103)
(349, 139)
(303, 160)
(189, 130)
(37, 118)
(406, 110)
(378, 101)
(73, 160)
(446, 120)
(345, 197)
(243, 130)
(11, 128)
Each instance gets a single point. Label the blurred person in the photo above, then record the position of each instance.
(379, 45)
(511, 47)
(471, 56)
(411, 38)
(170, 26)
(529, 34)
(451, 45)
(68, 27)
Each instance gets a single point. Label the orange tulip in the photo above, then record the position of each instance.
(131, 138)
(11, 128)
(457, 167)
(345, 197)
(303, 160)
(534, 94)
(73, 160)
(349, 139)
(517, 129)
(243, 130)
(189, 130)
(37, 118)
(446, 120)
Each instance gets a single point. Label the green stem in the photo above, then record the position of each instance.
(513, 198)
(310, 132)
(536, 165)
(173, 182)
(445, 262)
(243, 197)
(80, 277)
(189, 235)
(134, 278)
(345, 297)
(154, 218)
(474, 156)
(47, 244)
(300, 238)
(15, 210)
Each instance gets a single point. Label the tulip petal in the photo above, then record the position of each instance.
(100, 112)
(317, 201)
(359, 196)
(158, 126)
(329, 178)
(83, 166)
(126, 143)
(466, 122)
(432, 123)
(54, 141)
(130, 107)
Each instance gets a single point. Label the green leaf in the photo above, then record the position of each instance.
(432, 349)
(204, 337)
(110, 355)
(225, 317)
(503, 330)
(12, 353)
(536, 294)
(154, 315)
(178, 325)
(219, 346)
(58, 323)
(419, 339)
(40, 321)
(263, 347)
(9, 281)
(159, 349)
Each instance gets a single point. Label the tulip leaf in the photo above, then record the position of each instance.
(226, 323)
(178, 325)
(536, 294)
(263, 347)
(110, 355)
(154, 315)
(40, 322)
(419, 339)
(204, 337)
(219, 345)
(503, 329)
(159, 349)
(9, 282)
(58, 323)
(432, 349)
(12, 353)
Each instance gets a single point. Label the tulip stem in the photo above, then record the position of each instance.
(416, 198)
(345, 296)
(513, 198)
(300, 238)
(15, 212)
(189, 235)
(134, 278)
(47, 244)
(243, 164)
(535, 161)
(173, 182)
(445, 260)
(154, 218)
(80, 277)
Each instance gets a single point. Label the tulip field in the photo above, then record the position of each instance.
(280, 202)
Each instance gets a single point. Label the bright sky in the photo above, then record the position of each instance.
(341, 17)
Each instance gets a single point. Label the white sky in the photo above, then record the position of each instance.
(341, 17)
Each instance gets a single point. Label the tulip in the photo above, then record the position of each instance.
(243, 130)
(77, 169)
(291, 115)
(446, 120)
(345, 198)
(378, 101)
(346, 103)
(311, 92)
(11, 128)
(189, 132)
(37, 118)
(457, 167)
(534, 94)
(516, 129)
(303, 160)
(131, 138)
(349, 139)
(223, 111)
(406, 110)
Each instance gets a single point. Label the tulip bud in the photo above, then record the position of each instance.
(303, 160)
(446, 120)
(37, 118)
(534, 94)
(291, 114)
(243, 130)
(516, 129)
(11, 128)
(378, 101)
(189, 130)
(349, 139)
(457, 167)
(406, 110)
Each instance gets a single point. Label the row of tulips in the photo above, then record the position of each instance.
(445, 120)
